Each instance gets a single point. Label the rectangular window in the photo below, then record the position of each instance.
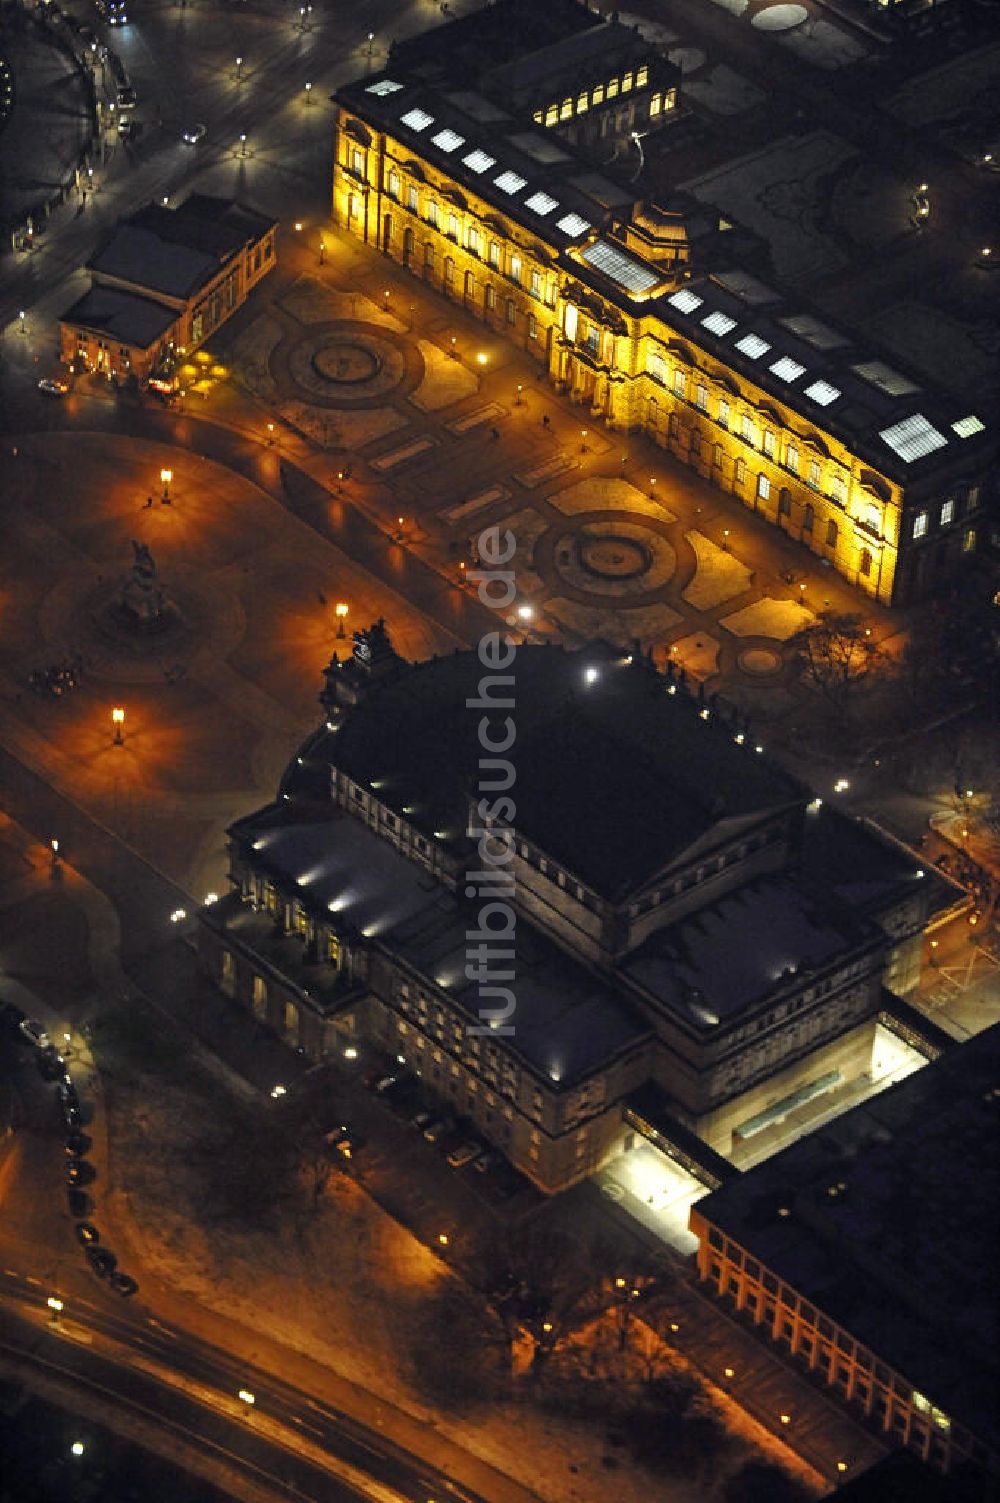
(769, 443)
(723, 413)
(642, 77)
(432, 213)
(474, 241)
(972, 498)
(552, 115)
(969, 541)
(566, 109)
(655, 104)
(747, 429)
(792, 459)
(920, 524)
(680, 381)
(494, 255)
(814, 473)
(947, 511)
(582, 103)
(453, 226)
(763, 487)
(536, 283)
(515, 269)
(358, 161)
(741, 471)
(612, 88)
(393, 188)
(701, 398)
(412, 200)
(490, 297)
(598, 94)
(532, 326)
(626, 83)
(509, 311)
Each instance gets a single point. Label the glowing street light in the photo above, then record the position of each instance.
(78, 1448)
(482, 358)
(278, 1091)
(340, 611)
(443, 1238)
(166, 476)
(247, 1398)
(309, 93)
(583, 440)
(239, 69)
(371, 42)
(178, 916)
(454, 347)
(519, 399)
(118, 721)
(526, 612)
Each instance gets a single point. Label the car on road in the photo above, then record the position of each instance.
(194, 134)
(102, 1261)
(438, 1128)
(87, 1233)
(79, 1172)
(53, 387)
(79, 1204)
(33, 1031)
(71, 1116)
(123, 1284)
(345, 1141)
(464, 1153)
(77, 1143)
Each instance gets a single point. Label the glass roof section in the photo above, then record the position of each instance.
(417, 119)
(448, 140)
(718, 323)
(382, 87)
(818, 334)
(479, 161)
(913, 438)
(822, 393)
(573, 224)
(752, 346)
(541, 203)
(510, 182)
(747, 287)
(622, 269)
(877, 373)
(787, 369)
(967, 426)
(685, 301)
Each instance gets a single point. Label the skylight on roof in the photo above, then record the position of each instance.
(417, 119)
(382, 87)
(877, 373)
(913, 438)
(685, 301)
(624, 270)
(541, 203)
(967, 426)
(718, 323)
(510, 182)
(448, 140)
(822, 393)
(479, 161)
(818, 334)
(787, 369)
(752, 346)
(573, 224)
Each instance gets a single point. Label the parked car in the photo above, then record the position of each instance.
(77, 1143)
(87, 1233)
(53, 387)
(71, 1116)
(33, 1031)
(79, 1172)
(435, 1130)
(102, 1261)
(194, 134)
(123, 1284)
(79, 1204)
(463, 1154)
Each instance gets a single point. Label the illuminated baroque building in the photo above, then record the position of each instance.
(697, 961)
(867, 1251)
(470, 177)
(162, 282)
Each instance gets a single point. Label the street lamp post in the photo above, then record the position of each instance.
(118, 721)
(309, 93)
(519, 399)
(165, 477)
(341, 614)
(239, 70)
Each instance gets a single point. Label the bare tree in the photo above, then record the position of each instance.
(836, 654)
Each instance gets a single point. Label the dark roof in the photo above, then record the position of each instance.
(139, 256)
(490, 37)
(614, 777)
(123, 316)
(218, 226)
(904, 1256)
(538, 77)
(735, 952)
(868, 869)
(568, 1020)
